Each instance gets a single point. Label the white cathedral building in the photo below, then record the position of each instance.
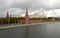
(38, 16)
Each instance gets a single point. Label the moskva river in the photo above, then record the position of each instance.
(48, 30)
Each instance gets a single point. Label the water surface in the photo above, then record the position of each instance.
(51, 30)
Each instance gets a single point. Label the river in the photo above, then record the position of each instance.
(50, 30)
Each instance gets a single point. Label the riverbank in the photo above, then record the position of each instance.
(21, 25)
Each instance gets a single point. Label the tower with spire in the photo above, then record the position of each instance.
(26, 17)
(7, 16)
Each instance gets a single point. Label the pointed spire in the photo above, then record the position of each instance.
(26, 11)
(7, 16)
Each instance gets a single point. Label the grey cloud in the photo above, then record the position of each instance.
(32, 5)
(29, 3)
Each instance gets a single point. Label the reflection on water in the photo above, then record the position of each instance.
(38, 31)
(26, 31)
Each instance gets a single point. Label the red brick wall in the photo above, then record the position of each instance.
(23, 21)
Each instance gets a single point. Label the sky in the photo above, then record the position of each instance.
(51, 8)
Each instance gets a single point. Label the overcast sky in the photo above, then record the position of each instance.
(17, 7)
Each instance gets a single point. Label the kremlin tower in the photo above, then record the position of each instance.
(7, 16)
(26, 17)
